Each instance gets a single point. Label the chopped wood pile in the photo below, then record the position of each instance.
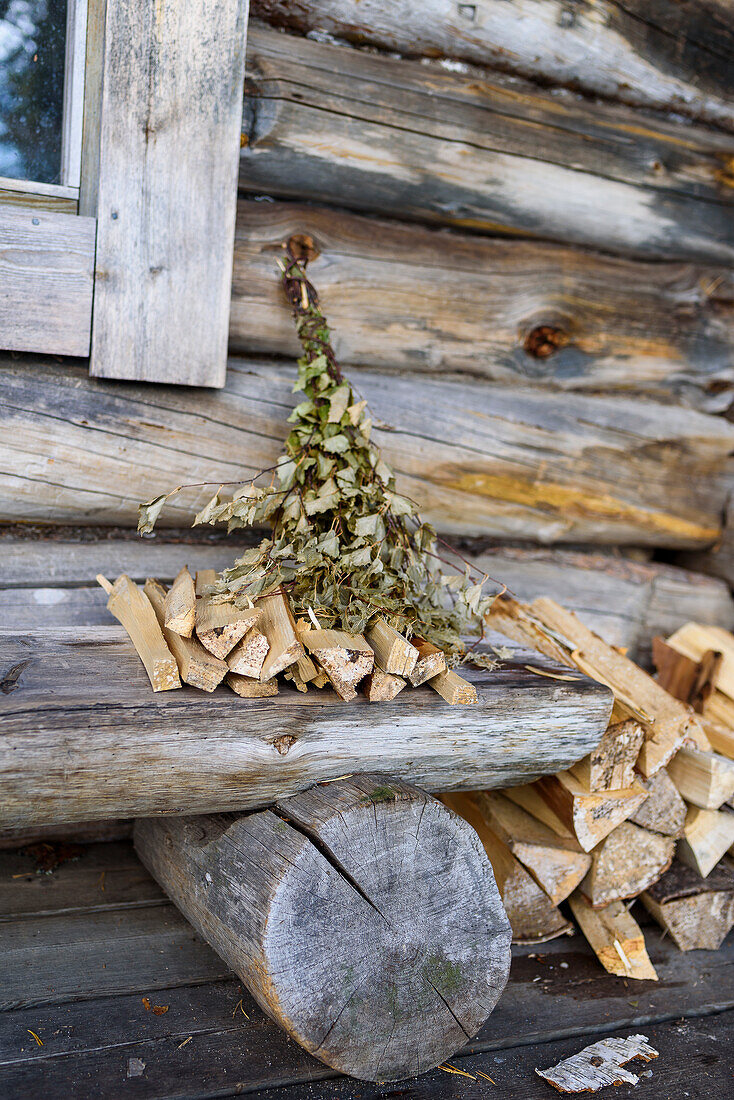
(191, 633)
(648, 815)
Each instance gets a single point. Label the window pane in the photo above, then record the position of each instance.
(32, 53)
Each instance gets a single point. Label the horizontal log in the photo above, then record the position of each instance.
(660, 54)
(86, 699)
(719, 560)
(48, 583)
(368, 132)
(478, 459)
(427, 300)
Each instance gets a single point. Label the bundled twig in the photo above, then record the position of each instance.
(344, 544)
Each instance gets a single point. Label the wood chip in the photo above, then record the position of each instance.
(197, 666)
(133, 609)
(180, 608)
(615, 938)
(345, 658)
(250, 688)
(248, 656)
(454, 688)
(431, 661)
(394, 653)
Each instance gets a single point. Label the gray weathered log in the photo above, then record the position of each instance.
(372, 133)
(45, 583)
(363, 916)
(46, 269)
(650, 52)
(719, 560)
(168, 148)
(83, 736)
(408, 297)
(478, 459)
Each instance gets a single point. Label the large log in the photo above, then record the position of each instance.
(478, 459)
(659, 54)
(45, 582)
(328, 909)
(84, 737)
(372, 133)
(505, 310)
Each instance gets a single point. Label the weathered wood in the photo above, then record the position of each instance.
(704, 778)
(244, 883)
(608, 469)
(707, 835)
(589, 817)
(626, 862)
(138, 753)
(375, 133)
(659, 55)
(556, 863)
(697, 912)
(663, 811)
(46, 268)
(45, 581)
(134, 611)
(504, 310)
(170, 119)
(180, 606)
(393, 653)
(615, 937)
(196, 665)
(611, 766)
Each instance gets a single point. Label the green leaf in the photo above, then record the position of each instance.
(338, 444)
(338, 402)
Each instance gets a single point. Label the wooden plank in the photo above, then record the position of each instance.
(654, 54)
(136, 755)
(170, 120)
(507, 461)
(47, 273)
(471, 150)
(505, 310)
(45, 581)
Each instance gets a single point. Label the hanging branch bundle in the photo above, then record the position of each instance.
(343, 543)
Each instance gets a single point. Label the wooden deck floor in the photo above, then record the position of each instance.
(82, 947)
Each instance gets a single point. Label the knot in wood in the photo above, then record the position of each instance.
(303, 248)
(283, 743)
(544, 340)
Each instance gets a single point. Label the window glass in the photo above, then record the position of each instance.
(32, 54)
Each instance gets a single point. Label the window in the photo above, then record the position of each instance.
(41, 90)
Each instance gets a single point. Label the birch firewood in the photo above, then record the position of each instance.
(132, 608)
(180, 609)
(694, 640)
(663, 811)
(393, 653)
(532, 915)
(381, 687)
(615, 938)
(345, 658)
(558, 864)
(590, 817)
(611, 766)
(707, 835)
(625, 863)
(703, 778)
(278, 626)
(453, 688)
(697, 912)
(249, 687)
(248, 656)
(197, 666)
(369, 850)
(431, 661)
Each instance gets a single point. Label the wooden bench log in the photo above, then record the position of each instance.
(328, 906)
(84, 737)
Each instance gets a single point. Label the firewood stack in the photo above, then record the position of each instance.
(647, 815)
(190, 633)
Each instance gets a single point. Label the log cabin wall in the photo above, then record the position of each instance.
(522, 214)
